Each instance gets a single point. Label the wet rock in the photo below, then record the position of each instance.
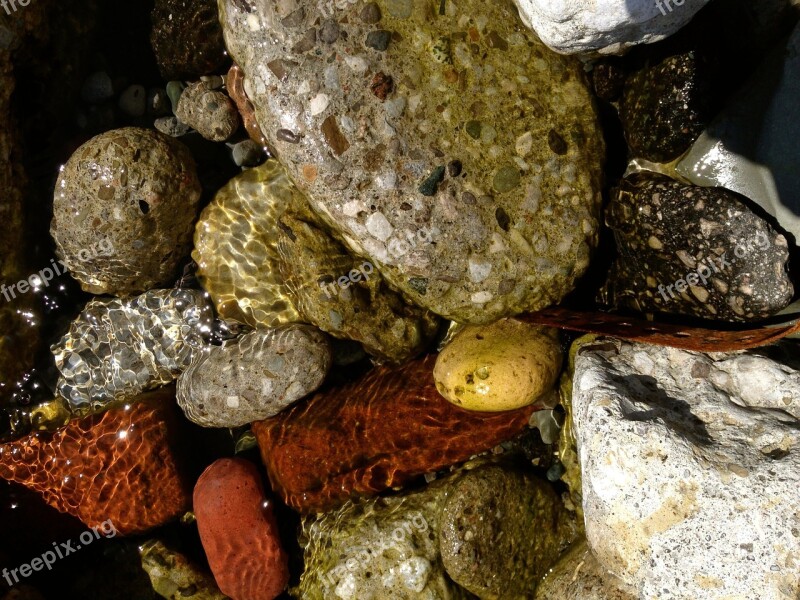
(187, 38)
(171, 126)
(372, 434)
(239, 531)
(134, 191)
(119, 466)
(209, 111)
(714, 472)
(254, 377)
(665, 107)
(578, 576)
(117, 348)
(133, 101)
(696, 251)
(368, 135)
(97, 88)
(503, 366)
(247, 154)
(347, 297)
(174, 92)
(500, 532)
(235, 85)
(174, 576)
(609, 27)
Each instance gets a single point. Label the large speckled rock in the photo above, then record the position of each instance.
(136, 191)
(697, 251)
(448, 120)
(254, 377)
(209, 111)
(117, 348)
(502, 366)
(500, 532)
(347, 297)
(691, 470)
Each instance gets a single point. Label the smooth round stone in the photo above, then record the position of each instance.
(132, 192)
(133, 101)
(498, 367)
(210, 112)
(255, 377)
(97, 87)
(368, 134)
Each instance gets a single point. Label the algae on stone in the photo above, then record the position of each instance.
(175, 577)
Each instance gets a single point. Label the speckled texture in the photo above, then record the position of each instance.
(465, 129)
(502, 366)
(210, 112)
(121, 465)
(174, 576)
(500, 531)
(668, 234)
(239, 531)
(136, 191)
(689, 485)
(254, 377)
(116, 348)
(367, 311)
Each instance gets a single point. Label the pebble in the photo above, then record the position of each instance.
(97, 88)
(133, 101)
(499, 367)
(140, 211)
(174, 92)
(239, 531)
(158, 103)
(254, 377)
(171, 126)
(210, 112)
(174, 576)
(247, 154)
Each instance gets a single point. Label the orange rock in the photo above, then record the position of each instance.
(118, 465)
(373, 434)
(239, 531)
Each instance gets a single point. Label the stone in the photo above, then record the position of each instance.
(239, 531)
(133, 101)
(117, 348)
(136, 191)
(208, 111)
(235, 87)
(607, 27)
(97, 88)
(187, 38)
(371, 434)
(366, 310)
(503, 366)
(689, 488)
(171, 126)
(121, 465)
(174, 576)
(695, 251)
(500, 531)
(174, 91)
(158, 102)
(247, 154)
(255, 377)
(394, 119)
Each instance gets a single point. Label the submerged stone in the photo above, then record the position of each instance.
(368, 133)
(174, 576)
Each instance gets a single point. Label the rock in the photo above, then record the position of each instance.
(751, 148)
(235, 86)
(171, 126)
(97, 88)
(239, 531)
(714, 474)
(666, 106)
(368, 135)
(255, 377)
(133, 101)
(247, 154)
(235, 247)
(608, 27)
(364, 309)
(119, 466)
(143, 207)
(174, 576)
(503, 366)
(187, 38)
(117, 348)
(578, 576)
(696, 251)
(500, 531)
(158, 102)
(210, 112)
(174, 91)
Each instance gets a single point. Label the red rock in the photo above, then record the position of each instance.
(373, 434)
(118, 465)
(239, 531)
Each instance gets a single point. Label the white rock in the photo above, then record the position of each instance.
(690, 482)
(606, 26)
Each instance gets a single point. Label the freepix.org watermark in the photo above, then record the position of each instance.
(666, 6)
(11, 5)
(60, 550)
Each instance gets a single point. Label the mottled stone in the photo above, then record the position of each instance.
(171, 126)
(210, 112)
(120, 465)
(392, 120)
(364, 309)
(503, 366)
(697, 251)
(117, 348)
(372, 434)
(174, 576)
(239, 531)
(254, 377)
(134, 191)
(235, 87)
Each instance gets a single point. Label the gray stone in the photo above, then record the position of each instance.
(97, 87)
(247, 154)
(208, 111)
(133, 101)
(171, 126)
